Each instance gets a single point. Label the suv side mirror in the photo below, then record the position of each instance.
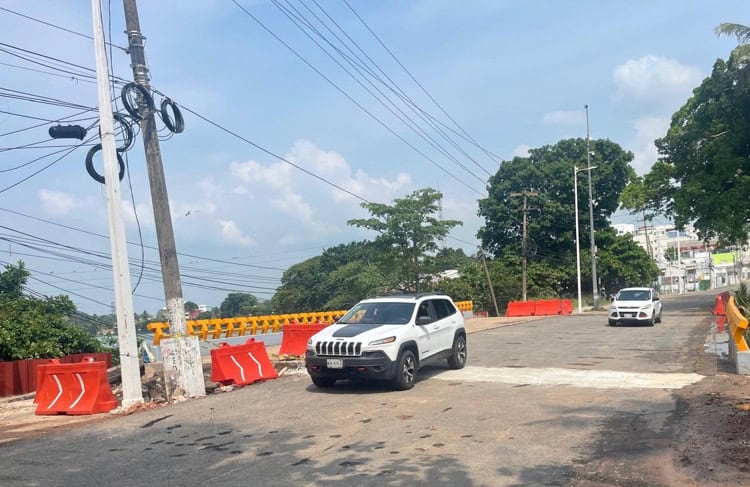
(424, 320)
(655, 298)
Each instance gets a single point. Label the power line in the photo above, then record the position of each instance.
(50, 24)
(415, 79)
(360, 106)
(26, 68)
(299, 19)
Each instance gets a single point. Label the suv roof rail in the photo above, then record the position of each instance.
(409, 295)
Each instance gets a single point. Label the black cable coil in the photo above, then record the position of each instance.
(178, 126)
(90, 164)
(147, 98)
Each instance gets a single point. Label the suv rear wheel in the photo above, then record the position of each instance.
(457, 359)
(406, 372)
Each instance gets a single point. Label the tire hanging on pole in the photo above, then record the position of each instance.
(178, 125)
(90, 164)
(143, 92)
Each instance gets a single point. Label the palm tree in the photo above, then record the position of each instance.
(741, 32)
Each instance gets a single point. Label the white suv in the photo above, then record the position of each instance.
(635, 305)
(388, 338)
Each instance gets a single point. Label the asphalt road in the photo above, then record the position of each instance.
(539, 403)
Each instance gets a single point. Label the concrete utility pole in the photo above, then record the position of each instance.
(524, 246)
(489, 282)
(183, 370)
(591, 211)
(578, 243)
(129, 366)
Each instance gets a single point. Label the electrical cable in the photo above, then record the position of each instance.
(415, 80)
(393, 86)
(360, 106)
(70, 78)
(296, 19)
(50, 24)
(45, 167)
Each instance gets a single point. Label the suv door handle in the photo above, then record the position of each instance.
(436, 327)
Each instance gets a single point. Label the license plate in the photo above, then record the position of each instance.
(335, 363)
(632, 315)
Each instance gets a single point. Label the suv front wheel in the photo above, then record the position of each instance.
(457, 359)
(406, 371)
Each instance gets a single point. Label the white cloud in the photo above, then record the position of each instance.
(563, 117)
(276, 175)
(320, 160)
(521, 151)
(232, 233)
(293, 204)
(654, 77)
(647, 129)
(56, 202)
(240, 190)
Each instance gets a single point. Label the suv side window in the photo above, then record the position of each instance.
(424, 309)
(443, 308)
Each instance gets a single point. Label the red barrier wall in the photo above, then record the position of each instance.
(520, 308)
(566, 306)
(20, 376)
(295, 336)
(547, 307)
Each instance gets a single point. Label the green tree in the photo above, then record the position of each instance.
(190, 306)
(548, 171)
(622, 262)
(407, 231)
(739, 31)
(703, 174)
(239, 304)
(32, 327)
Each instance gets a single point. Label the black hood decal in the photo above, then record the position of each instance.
(349, 331)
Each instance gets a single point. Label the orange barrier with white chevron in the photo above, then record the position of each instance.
(215, 328)
(81, 388)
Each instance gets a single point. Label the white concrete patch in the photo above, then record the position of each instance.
(596, 379)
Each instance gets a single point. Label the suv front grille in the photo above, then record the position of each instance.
(338, 348)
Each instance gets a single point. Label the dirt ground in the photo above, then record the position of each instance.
(708, 443)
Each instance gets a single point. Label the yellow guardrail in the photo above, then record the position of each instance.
(253, 325)
(245, 325)
(737, 325)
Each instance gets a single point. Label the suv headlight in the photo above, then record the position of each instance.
(383, 341)
(310, 344)
(646, 306)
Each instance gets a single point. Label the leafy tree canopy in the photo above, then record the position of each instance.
(703, 174)
(239, 304)
(32, 327)
(407, 230)
(548, 171)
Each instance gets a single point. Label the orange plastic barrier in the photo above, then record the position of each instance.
(721, 302)
(294, 337)
(241, 364)
(566, 306)
(520, 308)
(547, 307)
(81, 388)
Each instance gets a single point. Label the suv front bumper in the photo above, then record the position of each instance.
(628, 315)
(371, 365)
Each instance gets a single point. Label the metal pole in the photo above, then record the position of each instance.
(591, 212)
(489, 281)
(129, 365)
(184, 373)
(578, 246)
(524, 248)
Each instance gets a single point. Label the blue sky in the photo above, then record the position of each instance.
(513, 74)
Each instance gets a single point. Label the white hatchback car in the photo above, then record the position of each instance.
(635, 305)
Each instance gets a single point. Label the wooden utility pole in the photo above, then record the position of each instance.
(524, 245)
(594, 283)
(489, 282)
(132, 392)
(183, 370)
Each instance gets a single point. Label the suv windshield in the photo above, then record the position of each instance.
(634, 296)
(381, 312)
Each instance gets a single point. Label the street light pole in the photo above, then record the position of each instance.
(578, 246)
(591, 212)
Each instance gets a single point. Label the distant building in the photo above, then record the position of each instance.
(687, 263)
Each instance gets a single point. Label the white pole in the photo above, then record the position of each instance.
(578, 246)
(131, 378)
